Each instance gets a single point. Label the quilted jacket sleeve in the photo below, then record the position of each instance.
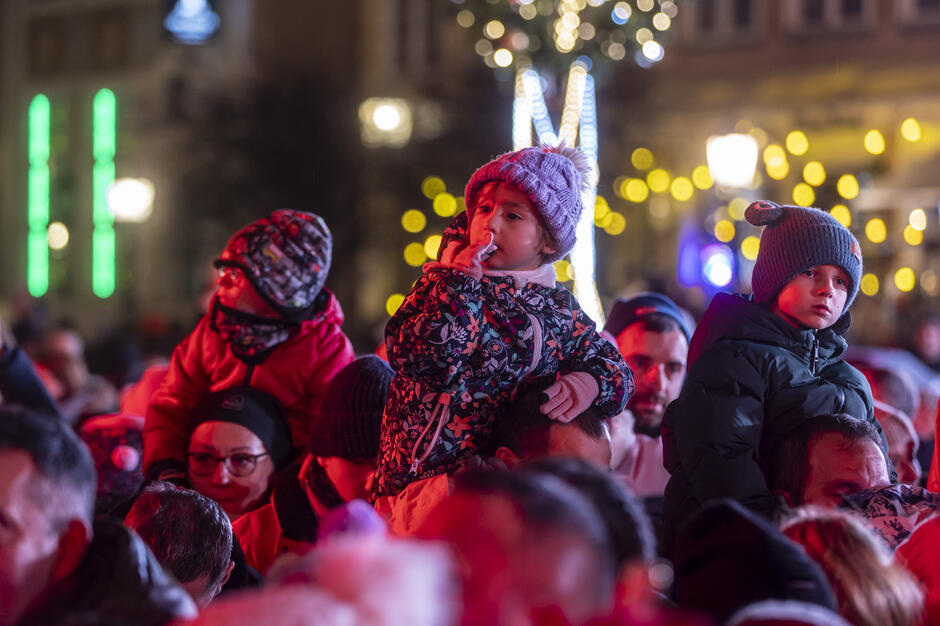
(437, 327)
(714, 430)
(165, 426)
(588, 352)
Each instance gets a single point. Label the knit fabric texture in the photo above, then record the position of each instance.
(350, 419)
(552, 178)
(795, 239)
(259, 412)
(627, 311)
(286, 257)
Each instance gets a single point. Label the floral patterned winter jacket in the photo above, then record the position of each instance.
(460, 347)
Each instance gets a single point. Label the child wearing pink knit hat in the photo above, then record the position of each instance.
(487, 317)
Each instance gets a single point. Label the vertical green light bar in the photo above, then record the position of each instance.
(104, 137)
(37, 199)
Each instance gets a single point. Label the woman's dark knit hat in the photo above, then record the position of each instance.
(795, 239)
(350, 421)
(259, 412)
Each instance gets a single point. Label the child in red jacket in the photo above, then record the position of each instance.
(272, 326)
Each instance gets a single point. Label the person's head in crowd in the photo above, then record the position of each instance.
(525, 433)
(189, 534)
(926, 339)
(47, 501)
(826, 458)
(870, 589)
(785, 613)
(727, 557)
(116, 446)
(530, 549)
(63, 352)
(893, 387)
(653, 336)
(809, 265)
(628, 527)
(238, 438)
(345, 439)
(903, 442)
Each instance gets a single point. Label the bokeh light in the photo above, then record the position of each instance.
(912, 236)
(466, 18)
(414, 254)
(724, 231)
(874, 142)
(431, 245)
(58, 235)
(681, 188)
(394, 302)
(869, 284)
(875, 230)
(445, 204)
(658, 180)
(736, 208)
(616, 225)
(803, 194)
(797, 143)
(910, 129)
(847, 186)
(413, 221)
(918, 219)
(749, 247)
(642, 158)
(635, 190)
(702, 178)
(814, 173)
(494, 29)
(842, 214)
(431, 186)
(904, 279)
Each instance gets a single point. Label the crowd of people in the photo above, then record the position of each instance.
(500, 461)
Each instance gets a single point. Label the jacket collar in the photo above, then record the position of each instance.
(543, 275)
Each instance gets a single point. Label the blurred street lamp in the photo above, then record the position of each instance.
(732, 159)
(131, 199)
(385, 122)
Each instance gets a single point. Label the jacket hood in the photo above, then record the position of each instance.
(327, 309)
(738, 316)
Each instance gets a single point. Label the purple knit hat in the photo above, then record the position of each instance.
(553, 179)
(286, 256)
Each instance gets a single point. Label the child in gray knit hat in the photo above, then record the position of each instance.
(487, 316)
(761, 365)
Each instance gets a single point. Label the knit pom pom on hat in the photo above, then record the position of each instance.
(795, 239)
(552, 177)
(286, 257)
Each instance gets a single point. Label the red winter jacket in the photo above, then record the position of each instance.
(297, 372)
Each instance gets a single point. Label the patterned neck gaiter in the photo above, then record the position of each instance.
(250, 336)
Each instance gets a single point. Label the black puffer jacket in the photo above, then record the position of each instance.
(752, 379)
(118, 583)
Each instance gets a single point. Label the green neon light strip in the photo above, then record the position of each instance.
(37, 199)
(104, 140)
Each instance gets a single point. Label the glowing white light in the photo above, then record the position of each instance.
(717, 265)
(192, 21)
(521, 118)
(386, 117)
(653, 50)
(58, 235)
(131, 199)
(537, 107)
(732, 159)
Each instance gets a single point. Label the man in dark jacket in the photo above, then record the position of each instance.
(760, 366)
(56, 567)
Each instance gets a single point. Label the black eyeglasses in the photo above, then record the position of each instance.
(239, 464)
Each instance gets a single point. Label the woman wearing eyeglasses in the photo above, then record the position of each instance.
(238, 439)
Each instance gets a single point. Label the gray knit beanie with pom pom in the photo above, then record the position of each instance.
(795, 239)
(553, 179)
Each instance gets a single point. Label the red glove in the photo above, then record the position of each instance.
(570, 396)
(468, 258)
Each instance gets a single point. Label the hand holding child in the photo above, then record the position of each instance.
(468, 258)
(570, 396)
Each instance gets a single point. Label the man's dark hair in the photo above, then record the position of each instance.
(790, 469)
(68, 481)
(628, 526)
(524, 429)
(544, 502)
(658, 323)
(188, 533)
